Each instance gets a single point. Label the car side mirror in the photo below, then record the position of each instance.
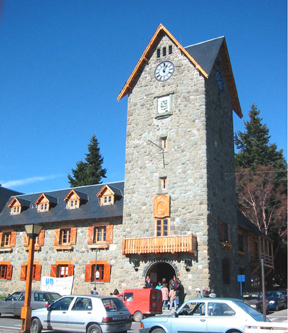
(49, 308)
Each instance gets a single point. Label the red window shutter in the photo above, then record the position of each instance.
(41, 237)
(73, 236)
(37, 272)
(9, 272)
(70, 270)
(90, 235)
(56, 237)
(23, 272)
(109, 233)
(13, 239)
(88, 273)
(26, 240)
(53, 272)
(1, 233)
(106, 275)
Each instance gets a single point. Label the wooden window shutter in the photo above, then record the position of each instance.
(70, 270)
(23, 272)
(90, 235)
(41, 237)
(13, 239)
(37, 272)
(57, 237)
(9, 272)
(53, 272)
(109, 233)
(88, 273)
(26, 240)
(106, 276)
(1, 233)
(73, 236)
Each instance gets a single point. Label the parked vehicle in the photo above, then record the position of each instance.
(204, 315)
(276, 300)
(142, 302)
(284, 293)
(14, 302)
(255, 300)
(77, 313)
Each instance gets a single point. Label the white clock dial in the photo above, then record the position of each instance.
(164, 71)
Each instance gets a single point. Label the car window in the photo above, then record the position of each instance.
(113, 304)
(14, 296)
(62, 304)
(253, 313)
(53, 296)
(128, 297)
(220, 309)
(39, 297)
(193, 309)
(22, 297)
(82, 303)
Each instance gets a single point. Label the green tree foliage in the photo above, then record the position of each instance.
(91, 171)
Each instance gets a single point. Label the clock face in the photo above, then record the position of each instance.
(219, 80)
(164, 71)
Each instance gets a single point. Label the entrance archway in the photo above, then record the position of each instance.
(159, 271)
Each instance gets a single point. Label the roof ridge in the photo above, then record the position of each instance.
(205, 41)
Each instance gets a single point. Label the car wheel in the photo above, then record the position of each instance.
(94, 328)
(158, 330)
(36, 326)
(138, 316)
(276, 307)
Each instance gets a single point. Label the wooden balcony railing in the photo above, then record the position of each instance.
(167, 244)
(268, 259)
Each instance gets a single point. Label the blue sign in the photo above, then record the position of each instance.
(241, 278)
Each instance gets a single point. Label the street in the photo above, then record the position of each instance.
(9, 324)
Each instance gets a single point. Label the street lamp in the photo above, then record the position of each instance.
(32, 231)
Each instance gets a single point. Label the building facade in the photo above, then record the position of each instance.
(176, 213)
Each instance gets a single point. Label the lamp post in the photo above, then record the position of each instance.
(32, 231)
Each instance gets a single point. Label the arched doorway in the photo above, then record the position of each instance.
(159, 271)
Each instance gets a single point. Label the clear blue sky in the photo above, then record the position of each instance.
(63, 64)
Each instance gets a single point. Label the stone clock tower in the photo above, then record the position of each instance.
(180, 202)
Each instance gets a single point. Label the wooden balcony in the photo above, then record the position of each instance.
(268, 259)
(157, 245)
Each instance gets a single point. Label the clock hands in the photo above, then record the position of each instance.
(162, 150)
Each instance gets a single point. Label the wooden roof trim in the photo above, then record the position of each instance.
(230, 80)
(103, 189)
(69, 195)
(144, 58)
(12, 202)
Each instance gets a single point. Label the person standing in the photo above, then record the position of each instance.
(148, 282)
(173, 298)
(94, 291)
(198, 293)
(212, 294)
(165, 295)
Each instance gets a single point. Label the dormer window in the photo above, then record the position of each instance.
(45, 203)
(108, 195)
(18, 205)
(74, 199)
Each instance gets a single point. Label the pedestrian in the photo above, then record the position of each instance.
(173, 298)
(206, 292)
(165, 295)
(159, 285)
(198, 293)
(148, 282)
(94, 291)
(212, 294)
(177, 285)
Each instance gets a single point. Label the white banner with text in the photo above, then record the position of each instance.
(63, 286)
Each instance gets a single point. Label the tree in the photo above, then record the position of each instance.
(91, 171)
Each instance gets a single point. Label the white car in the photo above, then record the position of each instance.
(217, 315)
(78, 313)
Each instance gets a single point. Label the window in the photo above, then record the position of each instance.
(72, 204)
(164, 51)
(15, 210)
(158, 53)
(44, 207)
(163, 183)
(65, 236)
(7, 239)
(224, 232)
(240, 242)
(162, 227)
(170, 49)
(39, 240)
(62, 269)
(82, 304)
(62, 304)
(164, 143)
(193, 309)
(97, 271)
(100, 234)
(226, 270)
(220, 309)
(5, 271)
(36, 272)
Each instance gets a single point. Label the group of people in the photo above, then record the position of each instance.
(170, 291)
(206, 293)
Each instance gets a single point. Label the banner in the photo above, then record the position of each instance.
(63, 286)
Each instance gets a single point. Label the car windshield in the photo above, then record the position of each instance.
(113, 304)
(250, 311)
(54, 296)
(271, 294)
(248, 297)
(14, 296)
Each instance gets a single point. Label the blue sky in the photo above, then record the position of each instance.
(63, 64)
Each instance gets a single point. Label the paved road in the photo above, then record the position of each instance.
(9, 324)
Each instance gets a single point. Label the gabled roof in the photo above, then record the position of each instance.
(5, 194)
(244, 222)
(114, 191)
(22, 202)
(51, 199)
(80, 195)
(202, 56)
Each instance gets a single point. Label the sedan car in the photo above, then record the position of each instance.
(255, 300)
(204, 315)
(78, 313)
(276, 300)
(14, 302)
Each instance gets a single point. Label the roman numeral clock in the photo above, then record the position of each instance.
(164, 71)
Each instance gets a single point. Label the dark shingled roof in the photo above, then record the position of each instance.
(206, 53)
(5, 194)
(247, 224)
(87, 210)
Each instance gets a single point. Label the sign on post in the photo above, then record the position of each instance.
(241, 279)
